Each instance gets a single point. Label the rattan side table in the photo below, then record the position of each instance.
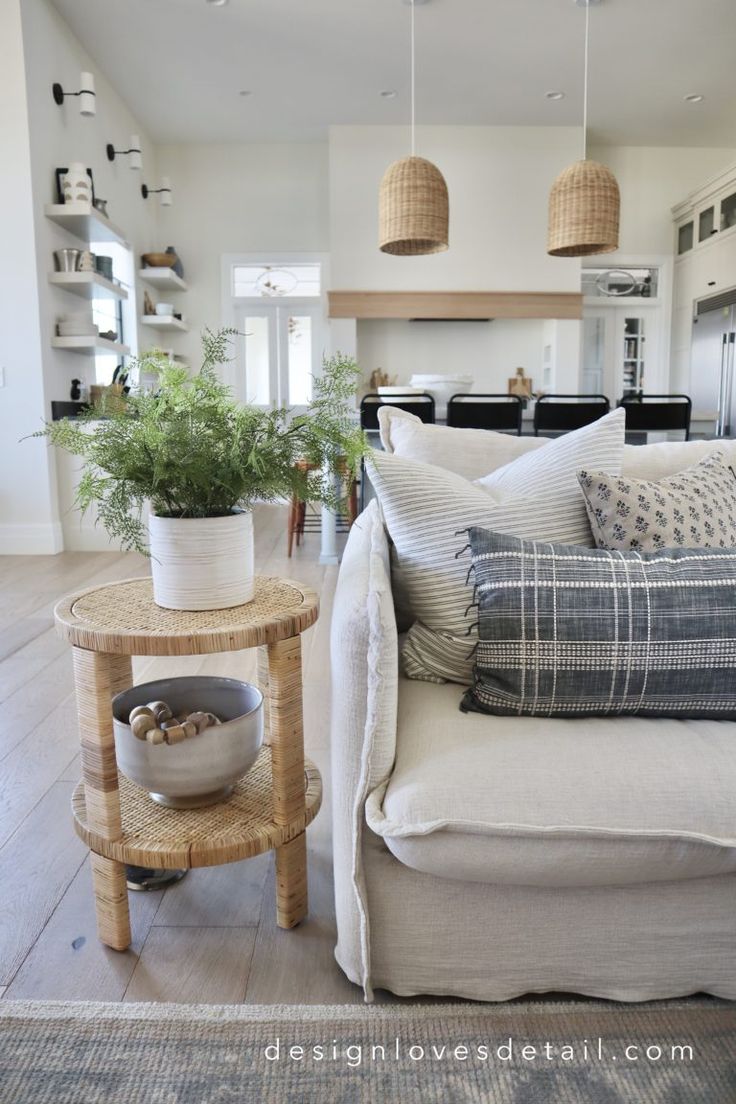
(269, 809)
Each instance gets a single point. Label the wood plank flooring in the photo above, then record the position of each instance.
(212, 937)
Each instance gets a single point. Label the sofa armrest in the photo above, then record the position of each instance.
(365, 665)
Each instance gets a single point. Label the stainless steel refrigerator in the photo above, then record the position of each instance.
(713, 361)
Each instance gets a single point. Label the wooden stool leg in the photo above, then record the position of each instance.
(264, 686)
(111, 902)
(97, 678)
(291, 882)
(287, 758)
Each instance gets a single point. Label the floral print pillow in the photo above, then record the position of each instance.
(696, 508)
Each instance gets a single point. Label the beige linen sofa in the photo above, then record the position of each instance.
(487, 857)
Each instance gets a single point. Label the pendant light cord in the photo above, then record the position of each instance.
(585, 80)
(413, 84)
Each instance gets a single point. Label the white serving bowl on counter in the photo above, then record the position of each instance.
(442, 388)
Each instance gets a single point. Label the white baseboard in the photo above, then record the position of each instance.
(87, 538)
(31, 540)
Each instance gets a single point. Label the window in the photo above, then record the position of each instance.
(114, 315)
(296, 281)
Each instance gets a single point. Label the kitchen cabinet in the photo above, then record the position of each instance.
(705, 240)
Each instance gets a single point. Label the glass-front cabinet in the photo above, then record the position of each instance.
(706, 223)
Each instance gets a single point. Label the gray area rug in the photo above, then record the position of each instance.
(77, 1053)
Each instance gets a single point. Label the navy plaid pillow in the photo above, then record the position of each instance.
(566, 631)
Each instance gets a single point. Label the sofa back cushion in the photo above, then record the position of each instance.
(668, 457)
(571, 632)
(426, 507)
(471, 453)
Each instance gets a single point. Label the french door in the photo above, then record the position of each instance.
(621, 351)
(279, 351)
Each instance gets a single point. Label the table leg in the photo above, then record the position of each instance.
(97, 678)
(287, 757)
(263, 685)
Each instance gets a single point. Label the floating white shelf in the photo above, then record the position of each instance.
(90, 345)
(84, 222)
(164, 278)
(164, 322)
(88, 285)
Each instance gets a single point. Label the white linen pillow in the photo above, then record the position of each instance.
(425, 507)
(557, 461)
(471, 453)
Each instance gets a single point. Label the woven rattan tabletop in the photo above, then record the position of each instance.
(122, 618)
(237, 828)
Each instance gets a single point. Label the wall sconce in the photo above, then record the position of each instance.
(164, 191)
(86, 94)
(134, 152)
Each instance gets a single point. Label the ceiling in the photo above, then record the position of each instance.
(181, 65)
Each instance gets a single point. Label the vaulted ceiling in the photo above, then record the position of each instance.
(182, 65)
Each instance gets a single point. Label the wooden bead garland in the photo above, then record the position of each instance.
(157, 724)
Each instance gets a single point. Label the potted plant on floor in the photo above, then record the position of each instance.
(200, 460)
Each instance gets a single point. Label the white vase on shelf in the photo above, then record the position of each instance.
(76, 184)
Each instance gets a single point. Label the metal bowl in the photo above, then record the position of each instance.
(203, 769)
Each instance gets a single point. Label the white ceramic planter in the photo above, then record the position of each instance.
(202, 563)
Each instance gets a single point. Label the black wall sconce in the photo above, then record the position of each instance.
(164, 191)
(134, 152)
(87, 105)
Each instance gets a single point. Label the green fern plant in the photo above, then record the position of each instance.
(191, 450)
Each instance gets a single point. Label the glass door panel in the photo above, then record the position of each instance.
(633, 359)
(260, 350)
(728, 212)
(594, 356)
(685, 238)
(300, 368)
(281, 349)
(706, 223)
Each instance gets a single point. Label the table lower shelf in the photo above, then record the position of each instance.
(238, 828)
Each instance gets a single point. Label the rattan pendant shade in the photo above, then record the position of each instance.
(414, 208)
(584, 210)
(584, 203)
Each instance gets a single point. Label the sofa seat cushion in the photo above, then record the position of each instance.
(556, 802)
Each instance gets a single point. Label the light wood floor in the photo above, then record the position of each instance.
(212, 937)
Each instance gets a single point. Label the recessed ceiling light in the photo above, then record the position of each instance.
(554, 95)
(388, 93)
(694, 97)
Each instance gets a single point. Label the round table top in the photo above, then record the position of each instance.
(122, 618)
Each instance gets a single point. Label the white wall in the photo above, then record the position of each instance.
(652, 180)
(239, 199)
(488, 351)
(499, 180)
(55, 136)
(28, 513)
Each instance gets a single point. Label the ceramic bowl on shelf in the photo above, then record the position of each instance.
(203, 769)
(165, 309)
(159, 260)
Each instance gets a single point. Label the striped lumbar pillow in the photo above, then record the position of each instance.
(536, 495)
(572, 632)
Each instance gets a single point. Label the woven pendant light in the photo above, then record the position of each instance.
(414, 206)
(585, 202)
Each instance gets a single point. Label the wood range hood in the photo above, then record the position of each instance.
(455, 306)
